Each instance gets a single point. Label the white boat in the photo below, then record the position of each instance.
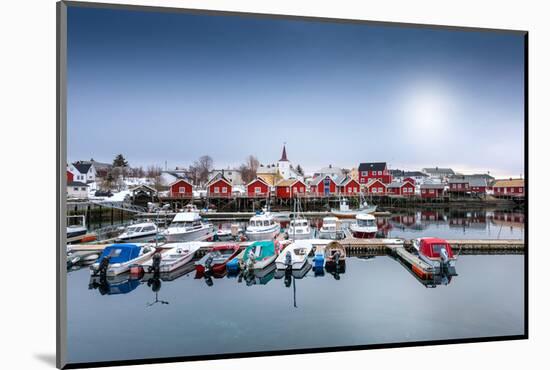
(294, 256)
(262, 227)
(330, 229)
(141, 232)
(299, 229)
(175, 257)
(76, 229)
(345, 212)
(117, 258)
(186, 227)
(364, 226)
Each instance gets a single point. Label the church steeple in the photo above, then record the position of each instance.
(283, 156)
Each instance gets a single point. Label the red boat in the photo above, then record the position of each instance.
(435, 252)
(215, 260)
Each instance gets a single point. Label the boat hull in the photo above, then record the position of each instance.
(121, 268)
(268, 234)
(188, 236)
(363, 234)
(258, 265)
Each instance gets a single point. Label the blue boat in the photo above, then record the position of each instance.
(117, 258)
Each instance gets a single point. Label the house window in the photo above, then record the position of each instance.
(216, 190)
(362, 180)
(374, 190)
(224, 190)
(364, 173)
(294, 190)
(432, 191)
(380, 173)
(287, 190)
(379, 190)
(75, 189)
(520, 190)
(83, 189)
(257, 190)
(181, 190)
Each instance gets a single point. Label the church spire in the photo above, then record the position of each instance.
(283, 156)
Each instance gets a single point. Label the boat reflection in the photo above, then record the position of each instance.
(258, 276)
(111, 285)
(290, 277)
(431, 280)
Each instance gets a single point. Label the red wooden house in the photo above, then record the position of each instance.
(323, 186)
(432, 190)
(376, 187)
(219, 187)
(478, 185)
(410, 179)
(374, 170)
(181, 188)
(401, 188)
(257, 188)
(349, 186)
(509, 188)
(290, 188)
(459, 185)
(70, 177)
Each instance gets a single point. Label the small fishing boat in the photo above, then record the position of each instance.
(76, 229)
(175, 257)
(364, 227)
(262, 227)
(345, 212)
(335, 254)
(330, 229)
(436, 252)
(294, 256)
(117, 258)
(299, 229)
(186, 227)
(216, 260)
(259, 255)
(142, 232)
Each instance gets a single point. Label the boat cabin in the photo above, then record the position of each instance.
(431, 248)
(120, 253)
(187, 220)
(365, 220)
(299, 222)
(261, 220)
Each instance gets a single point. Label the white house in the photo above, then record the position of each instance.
(83, 171)
(171, 176)
(77, 189)
(285, 168)
(231, 174)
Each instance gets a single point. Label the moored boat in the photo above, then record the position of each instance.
(335, 254)
(117, 258)
(436, 252)
(259, 254)
(175, 257)
(299, 229)
(330, 229)
(294, 256)
(216, 260)
(76, 229)
(142, 232)
(262, 227)
(345, 212)
(364, 227)
(187, 226)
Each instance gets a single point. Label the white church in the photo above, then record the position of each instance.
(285, 167)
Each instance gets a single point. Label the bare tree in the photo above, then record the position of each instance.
(153, 172)
(200, 169)
(249, 168)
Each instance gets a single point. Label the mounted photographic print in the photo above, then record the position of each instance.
(235, 185)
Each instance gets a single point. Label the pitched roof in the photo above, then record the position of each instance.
(414, 174)
(283, 156)
(180, 179)
(372, 181)
(432, 186)
(317, 179)
(439, 171)
(458, 180)
(395, 184)
(372, 166)
(83, 168)
(219, 176)
(477, 181)
(257, 179)
(288, 182)
(508, 183)
(76, 183)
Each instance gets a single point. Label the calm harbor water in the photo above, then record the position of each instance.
(375, 300)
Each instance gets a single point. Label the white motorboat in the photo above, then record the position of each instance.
(294, 256)
(299, 229)
(345, 212)
(330, 229)
(175, 257)
(186, 227)
(262, 227)
(142, 232)
(117, 258)
(364, 227)
(76, 229)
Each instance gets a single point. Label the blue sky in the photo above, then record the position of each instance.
(170, 87)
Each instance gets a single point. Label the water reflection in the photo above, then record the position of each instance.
(110, 285)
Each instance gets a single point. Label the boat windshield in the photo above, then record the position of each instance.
(300, 251)
(133, 229)
(365, 223)
(437, 248)
(298, 223)
(181, 224)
